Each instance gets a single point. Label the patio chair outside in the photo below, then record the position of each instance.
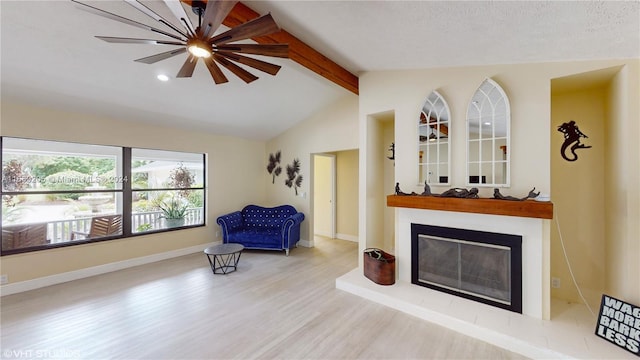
(25, 235)
(101, 226)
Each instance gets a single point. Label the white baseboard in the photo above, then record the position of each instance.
(325, 234)
(305, 243)
(347, 237)
(27, 285)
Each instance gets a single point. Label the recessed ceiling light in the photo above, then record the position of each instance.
(163, 77)
(487, 123)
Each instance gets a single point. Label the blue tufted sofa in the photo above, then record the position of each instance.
(258, 227)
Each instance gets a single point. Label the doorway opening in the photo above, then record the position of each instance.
(324, 195)
(334, 194)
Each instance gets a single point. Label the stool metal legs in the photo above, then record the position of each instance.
(224, 264)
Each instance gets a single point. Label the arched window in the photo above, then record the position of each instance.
(434, 159)
(488, 135)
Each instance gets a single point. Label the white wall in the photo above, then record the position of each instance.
(528, 89)
(623, 184)
(333, 129)
(534, 303)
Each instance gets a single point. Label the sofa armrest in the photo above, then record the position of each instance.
(291, 230)
(229, 223)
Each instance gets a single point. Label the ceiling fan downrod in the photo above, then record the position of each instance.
(198, 7)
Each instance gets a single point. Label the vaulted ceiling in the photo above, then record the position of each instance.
(50, 57)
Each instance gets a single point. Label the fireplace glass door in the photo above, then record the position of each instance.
(481, 266)
(483, 270)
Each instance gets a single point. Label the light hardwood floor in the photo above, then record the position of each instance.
(273, 307)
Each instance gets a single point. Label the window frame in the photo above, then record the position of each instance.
(434, 149)
(125, 192)
(475, 111)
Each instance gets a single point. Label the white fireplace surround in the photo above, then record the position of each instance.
(534, 303)
(527, 333)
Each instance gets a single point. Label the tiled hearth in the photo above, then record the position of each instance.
(570, 333)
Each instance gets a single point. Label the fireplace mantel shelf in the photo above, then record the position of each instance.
(526, 208)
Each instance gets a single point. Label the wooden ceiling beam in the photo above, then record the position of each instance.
(299, 52)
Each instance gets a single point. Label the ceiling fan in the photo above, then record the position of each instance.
(200, 42)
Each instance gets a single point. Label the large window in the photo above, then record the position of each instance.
(167, 189)
(57, 193)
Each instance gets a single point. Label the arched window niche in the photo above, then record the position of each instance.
(434, 155)
(488, 137)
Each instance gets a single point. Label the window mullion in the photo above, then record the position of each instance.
(126, 192)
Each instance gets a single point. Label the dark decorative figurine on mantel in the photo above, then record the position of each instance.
(399, 192)
(532, 194)
(461, 193)
(453, 192)
(427, 190)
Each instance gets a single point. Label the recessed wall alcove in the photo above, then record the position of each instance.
(379, 180)
(584, 191)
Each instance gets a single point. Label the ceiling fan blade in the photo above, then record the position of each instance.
(240, 72)
(138, 41)
(215, 71)
(254, 63)
(187, 68)
(261, 26)
(152, 14)
(276, 50)
(214, 14)
(178, 11)
(113, 16)
(157, 57)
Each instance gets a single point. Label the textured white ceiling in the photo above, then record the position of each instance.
(385, 35)
(66, 67)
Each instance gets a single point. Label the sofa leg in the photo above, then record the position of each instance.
(286, 251)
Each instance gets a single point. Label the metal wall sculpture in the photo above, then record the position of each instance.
(274, 167)
(572, 137)
(294, 178)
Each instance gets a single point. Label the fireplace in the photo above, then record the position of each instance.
(477, 265)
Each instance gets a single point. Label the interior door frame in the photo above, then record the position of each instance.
(332, 174)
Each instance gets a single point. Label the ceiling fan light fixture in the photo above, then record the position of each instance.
(199, 49)
(198, 40)
(432, 136)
